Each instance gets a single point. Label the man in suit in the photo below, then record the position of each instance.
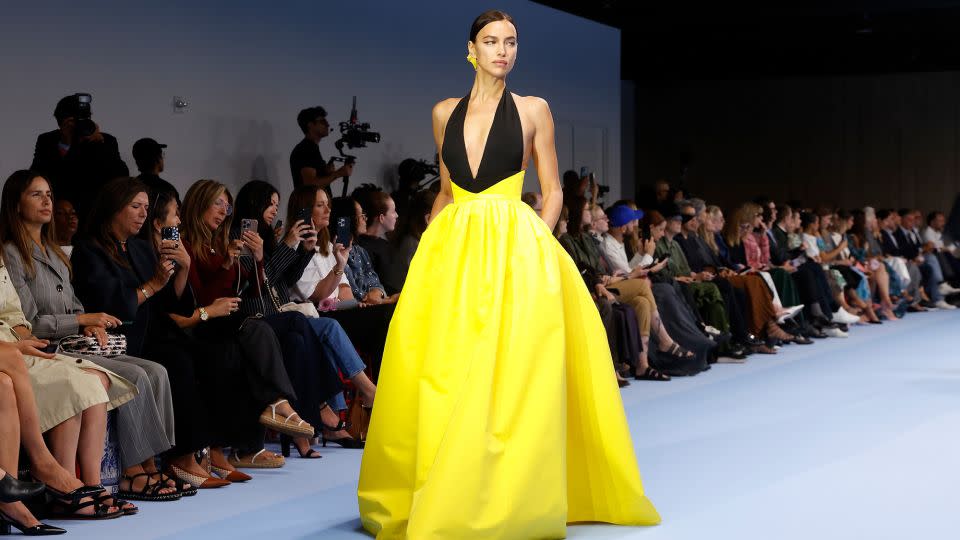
(895, 244)
(77, 164)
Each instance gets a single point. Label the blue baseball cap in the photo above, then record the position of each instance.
(622, 214)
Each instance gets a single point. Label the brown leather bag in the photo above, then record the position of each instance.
(359, 418)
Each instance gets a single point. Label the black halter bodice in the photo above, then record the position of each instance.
(502, 156)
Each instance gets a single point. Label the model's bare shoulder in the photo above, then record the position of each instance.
(533, 107)
(444, 108)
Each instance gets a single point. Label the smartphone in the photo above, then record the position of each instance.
(278, 225)
(248, 225)
(584, 171)
(342, 230)
(170, 233)
(306, 215)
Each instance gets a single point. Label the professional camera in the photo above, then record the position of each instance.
(353, 134)
(84, 126)
(414, 173)
(602, 189)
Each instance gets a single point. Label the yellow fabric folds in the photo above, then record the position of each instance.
(497, 414)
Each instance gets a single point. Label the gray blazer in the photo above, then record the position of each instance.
(49, 292)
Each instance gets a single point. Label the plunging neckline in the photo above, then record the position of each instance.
(493, 121)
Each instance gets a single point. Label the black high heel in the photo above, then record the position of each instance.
(13, 490)
(37, 530)
(286, 442)
(346, 442)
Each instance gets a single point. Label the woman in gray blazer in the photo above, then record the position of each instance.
(41, 273)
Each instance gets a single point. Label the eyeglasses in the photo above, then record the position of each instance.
(228, 208)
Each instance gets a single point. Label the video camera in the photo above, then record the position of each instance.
(353, 134)
(84, 125)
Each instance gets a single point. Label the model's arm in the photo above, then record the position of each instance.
(441, 113)
(545, 158)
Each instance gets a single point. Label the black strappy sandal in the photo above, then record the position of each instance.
(179, 484)
(651, 374)
(103, 496)
(67, 505)
(149, 492)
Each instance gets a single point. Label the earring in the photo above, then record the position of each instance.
(472, 60)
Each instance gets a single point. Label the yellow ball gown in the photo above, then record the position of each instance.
(498, 415)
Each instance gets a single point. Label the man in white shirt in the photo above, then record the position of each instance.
(946, 251)
(622, 219)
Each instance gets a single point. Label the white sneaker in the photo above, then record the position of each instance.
(942, 304)
(791, 312)
(711, 330)
(843, 316)
(835, 332)
(946, 289)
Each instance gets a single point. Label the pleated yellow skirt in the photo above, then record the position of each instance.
(498, 415)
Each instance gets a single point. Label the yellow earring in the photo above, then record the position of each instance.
(472, 60)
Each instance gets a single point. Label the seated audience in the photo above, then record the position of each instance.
(40, 273)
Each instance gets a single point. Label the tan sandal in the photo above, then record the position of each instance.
(256, 461)
(292, 425)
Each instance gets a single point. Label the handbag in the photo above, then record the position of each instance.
(77, 344)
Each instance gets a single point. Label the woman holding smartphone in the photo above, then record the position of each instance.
(314, 348)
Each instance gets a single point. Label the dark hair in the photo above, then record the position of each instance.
(783, 210)
(420, 206)
(932, 216)
(575, 221)
(159, 201)
(344, 207)
(883, 213)
(529, 198)
(571, 181)
(807, 219)
(486, 18)
(66, 107)
(376, 205)
(111, 199)
(305, 196)
(308, 115)
(364, 194)
(252, 201)
(12, 229)
(904, 211)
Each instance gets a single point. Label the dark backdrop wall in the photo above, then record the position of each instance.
(884, 140)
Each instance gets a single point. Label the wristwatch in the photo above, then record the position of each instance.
(203, 314)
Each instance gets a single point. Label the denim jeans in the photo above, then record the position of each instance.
(936, 277)
(340, 351)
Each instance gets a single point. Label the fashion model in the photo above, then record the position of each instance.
(497, 415)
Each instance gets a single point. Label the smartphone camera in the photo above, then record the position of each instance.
(170, 233)
(306, 215)
(342, 231)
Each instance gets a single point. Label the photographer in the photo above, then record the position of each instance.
(307, 166)
(77, 157)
